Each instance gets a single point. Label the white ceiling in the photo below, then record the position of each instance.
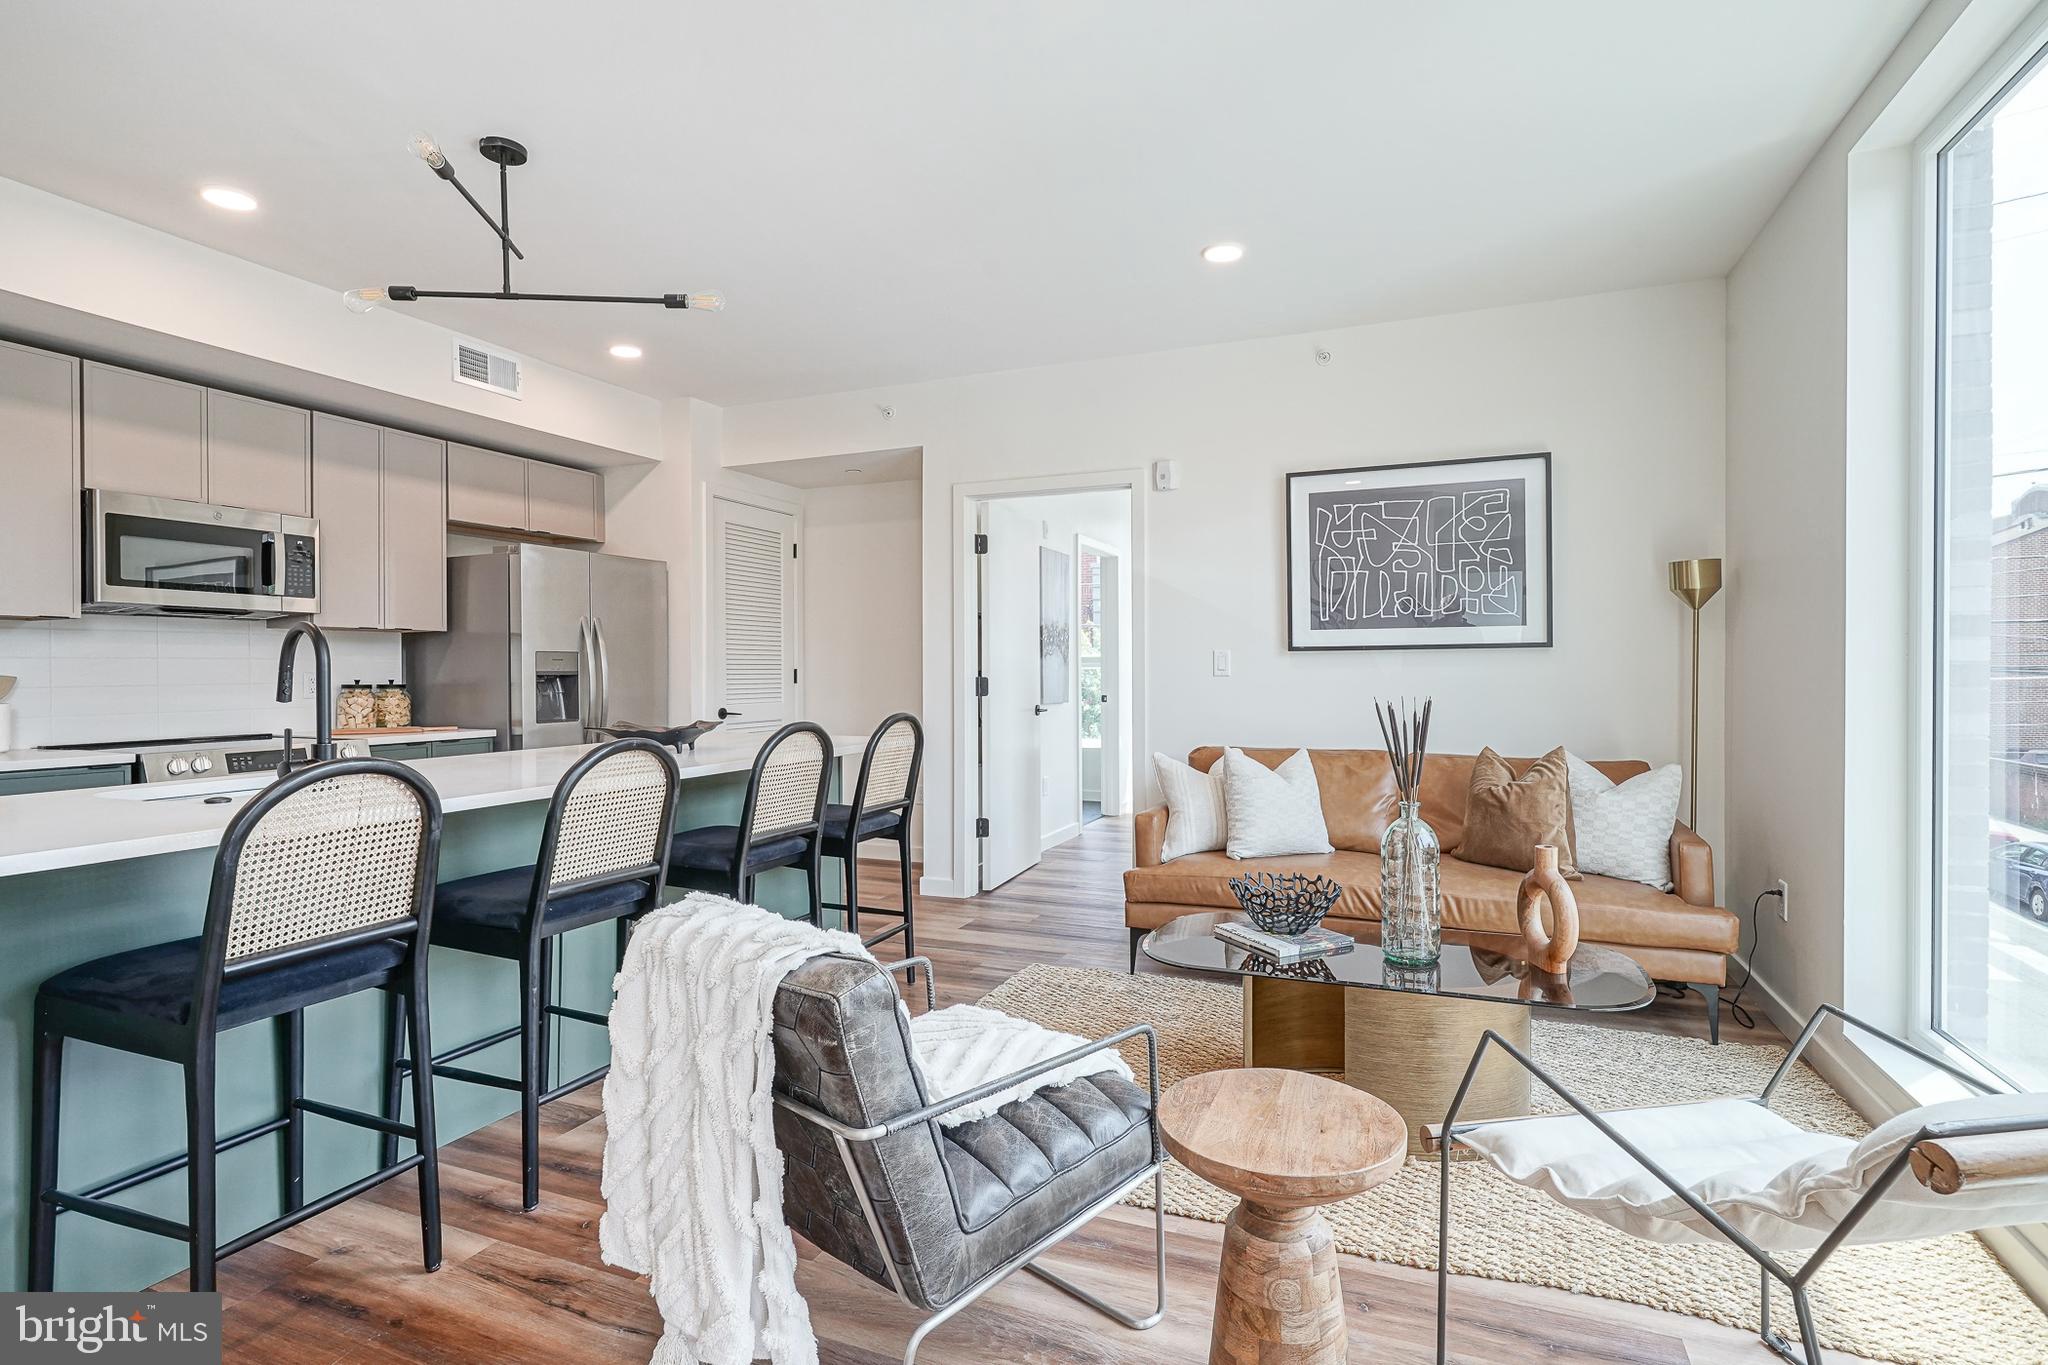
(898, 190)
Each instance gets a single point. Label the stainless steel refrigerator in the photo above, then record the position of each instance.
(544, 644)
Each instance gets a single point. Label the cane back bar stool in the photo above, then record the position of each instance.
(603, 856)
(883, 799)
(781, 823)
(322, 888)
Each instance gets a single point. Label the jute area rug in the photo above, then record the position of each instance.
(1946, 1300)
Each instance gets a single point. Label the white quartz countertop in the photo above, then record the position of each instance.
(50, 830)
(30, 760)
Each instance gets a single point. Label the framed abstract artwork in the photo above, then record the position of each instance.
(1449, 554)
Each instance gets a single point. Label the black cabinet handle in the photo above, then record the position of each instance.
(1040, 710)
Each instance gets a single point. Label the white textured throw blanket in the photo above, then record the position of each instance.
(963, 1046)
(692, 1176)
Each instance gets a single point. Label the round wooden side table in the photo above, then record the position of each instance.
(1285, 1143)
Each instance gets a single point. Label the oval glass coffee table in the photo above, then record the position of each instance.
(1406, 1034)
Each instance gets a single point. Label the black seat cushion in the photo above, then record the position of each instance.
(716, 848)
(838, 819)
(158, 982)
(487, 913)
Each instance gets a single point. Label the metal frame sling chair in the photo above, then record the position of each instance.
(1733, 1170)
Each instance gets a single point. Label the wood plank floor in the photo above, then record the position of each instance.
(347, 1286)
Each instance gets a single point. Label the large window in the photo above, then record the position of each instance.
(1990, 958)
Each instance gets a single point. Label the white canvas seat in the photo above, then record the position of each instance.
(1781, 1186)
(1733, 1171)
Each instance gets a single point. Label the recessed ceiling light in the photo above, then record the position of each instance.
(856, 471)
(1223, 253)
(229, 198)
(626, 351)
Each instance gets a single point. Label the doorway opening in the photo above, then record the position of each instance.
(1053, 644)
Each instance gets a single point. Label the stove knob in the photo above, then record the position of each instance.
(202, 764)
(177, 767)
(350, 751)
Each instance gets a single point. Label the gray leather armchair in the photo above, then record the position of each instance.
(940, 1215)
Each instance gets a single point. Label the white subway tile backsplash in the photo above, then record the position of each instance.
(103, 644)
(120, 677)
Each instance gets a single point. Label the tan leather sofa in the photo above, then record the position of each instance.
(1679, 935)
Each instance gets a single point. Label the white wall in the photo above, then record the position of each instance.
(1626, 389)
(142, 677)
(863, 630)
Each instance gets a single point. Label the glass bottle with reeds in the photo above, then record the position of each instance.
(1411, 900)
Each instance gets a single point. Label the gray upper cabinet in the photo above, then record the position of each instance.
(348, 499)
(510, 493)
(486, 488)
(415, 506)
(258, 454)
(564, 502)
(381, 497)
(39, 469)
(168, 439)
(144, 433)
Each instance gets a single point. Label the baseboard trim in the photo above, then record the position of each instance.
(944, 888)
(1059, 836)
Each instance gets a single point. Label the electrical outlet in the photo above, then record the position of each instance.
(1219, 663)
(1784, 901)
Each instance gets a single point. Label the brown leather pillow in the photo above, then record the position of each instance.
(1507, 816)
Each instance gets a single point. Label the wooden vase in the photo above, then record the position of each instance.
(1553, 950)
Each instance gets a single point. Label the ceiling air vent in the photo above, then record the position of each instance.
(497, 371)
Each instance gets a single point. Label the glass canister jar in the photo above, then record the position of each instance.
(1411, 901)
(355, 707)
(394, 706)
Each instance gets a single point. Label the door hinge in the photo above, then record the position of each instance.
(792, 675)
(981, 827)
(980, 544)
(792, 549)
(981, 686)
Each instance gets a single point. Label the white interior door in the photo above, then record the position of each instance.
(1010, 712)
(753, 645)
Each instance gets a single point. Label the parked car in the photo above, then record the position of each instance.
(2020, 870)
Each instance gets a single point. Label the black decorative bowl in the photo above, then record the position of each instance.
(676, 737)
(1285, 902)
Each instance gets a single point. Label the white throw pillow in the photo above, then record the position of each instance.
(1624, 829)
(1272, 811)
(1195, 820)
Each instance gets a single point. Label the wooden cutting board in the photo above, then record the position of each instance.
(358, 732)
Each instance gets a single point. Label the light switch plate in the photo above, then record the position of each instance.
(1219, 663)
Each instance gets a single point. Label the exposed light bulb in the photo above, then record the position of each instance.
(1223, 253)
(229, 198)
(708, 302)
(363, 300)
(429, 151)
(626, 350)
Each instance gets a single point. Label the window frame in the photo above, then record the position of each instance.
(2023, 58)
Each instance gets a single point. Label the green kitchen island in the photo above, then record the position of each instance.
(92, 872)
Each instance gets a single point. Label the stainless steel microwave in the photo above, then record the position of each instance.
(149, 556)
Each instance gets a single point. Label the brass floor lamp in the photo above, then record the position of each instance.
(1695, 581)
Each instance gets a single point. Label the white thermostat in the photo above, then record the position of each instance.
(1165, 476)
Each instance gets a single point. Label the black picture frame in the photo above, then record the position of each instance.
(1538, 596)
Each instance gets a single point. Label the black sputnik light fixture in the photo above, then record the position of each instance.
(506, 154)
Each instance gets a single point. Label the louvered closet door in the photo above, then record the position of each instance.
(753, 616)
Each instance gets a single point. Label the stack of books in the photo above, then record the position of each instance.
(1301, 947)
